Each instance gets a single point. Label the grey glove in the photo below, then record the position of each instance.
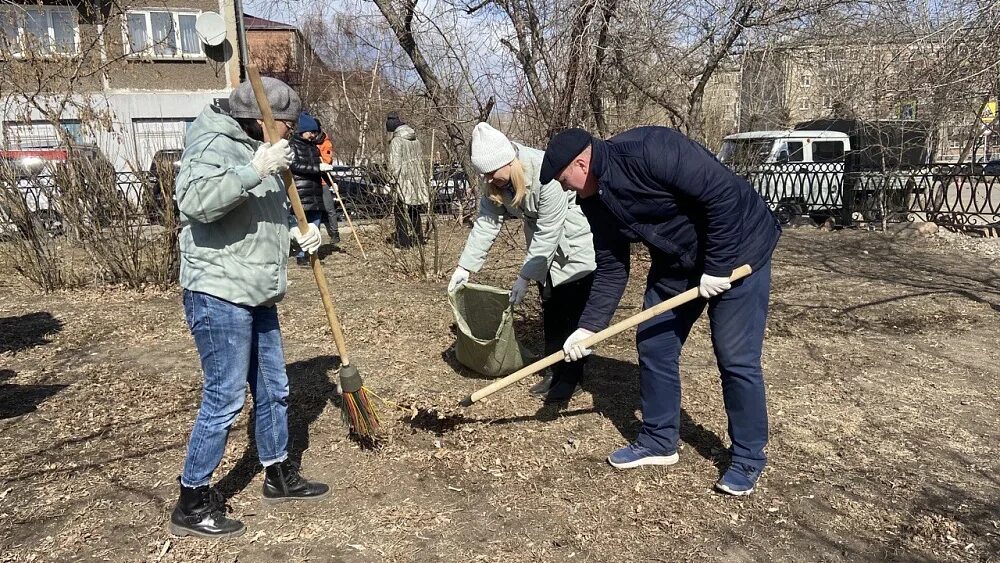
(518, 291)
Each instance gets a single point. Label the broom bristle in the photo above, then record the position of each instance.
(359, 414)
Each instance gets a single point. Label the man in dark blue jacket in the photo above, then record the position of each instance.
(700, 222)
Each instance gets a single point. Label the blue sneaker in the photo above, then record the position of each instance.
(739, 479)
(634, 455)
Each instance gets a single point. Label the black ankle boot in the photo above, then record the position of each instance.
(542, 387)
(562, 391)
(201, 511)
(283, 482)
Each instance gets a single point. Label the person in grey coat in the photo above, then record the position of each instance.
(234, 256)
(560, 257)
(410, 182)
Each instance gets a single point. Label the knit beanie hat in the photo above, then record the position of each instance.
(285, 103)
(307, 123)
(393, 122)
(491, 149)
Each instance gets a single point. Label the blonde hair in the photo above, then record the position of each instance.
(517, 180)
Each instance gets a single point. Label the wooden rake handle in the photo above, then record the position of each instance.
(300, 215)
(335, 189)
(621, 326)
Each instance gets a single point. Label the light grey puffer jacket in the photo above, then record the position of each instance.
(235, 243)
(406, 165)
(555, 229)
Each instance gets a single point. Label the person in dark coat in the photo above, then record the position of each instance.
(700, 222)
(306, 168)
(325, 145)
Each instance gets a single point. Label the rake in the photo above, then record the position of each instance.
(621, 326)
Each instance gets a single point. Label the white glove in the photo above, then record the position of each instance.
(711, 286)
(574, 351)
(460, 276)
(519, 290)
(324, 167)
(271, 159)
(309, 241)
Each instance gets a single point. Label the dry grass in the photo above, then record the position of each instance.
(881, 359)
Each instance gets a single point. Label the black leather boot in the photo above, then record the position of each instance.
(562, 391)
(201, 511)
(283, 482)
(542, 387)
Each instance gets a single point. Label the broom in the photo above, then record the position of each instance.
(357, 410)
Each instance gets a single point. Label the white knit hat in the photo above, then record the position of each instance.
(491, 149)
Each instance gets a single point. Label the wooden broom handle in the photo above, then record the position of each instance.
(300, 215)
(335, 189)
(621, 326)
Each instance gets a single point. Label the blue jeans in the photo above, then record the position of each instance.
(736, 319)
(313, 216)
(238, 345)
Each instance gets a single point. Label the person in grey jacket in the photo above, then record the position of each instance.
(560, 257)
(410, 182)
(234, 254)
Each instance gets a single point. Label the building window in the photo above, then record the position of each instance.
(161, 34)
(804, 104)
(40, 134)
(827, 102)
(806, 80)
(44, 30)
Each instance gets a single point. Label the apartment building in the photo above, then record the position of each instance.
(799, 81)
(129, 79)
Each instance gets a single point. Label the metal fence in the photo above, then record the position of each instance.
(139, 198)
(959, 196)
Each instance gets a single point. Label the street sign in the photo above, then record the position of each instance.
(989, 112)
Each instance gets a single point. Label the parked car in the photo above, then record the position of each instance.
(450, 185)
(37, 174)
(363, 189)
(992, 168)
(163, 170)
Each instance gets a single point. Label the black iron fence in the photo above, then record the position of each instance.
(958, 196)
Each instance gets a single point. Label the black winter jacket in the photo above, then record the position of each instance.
(305, 169)
(658, 187)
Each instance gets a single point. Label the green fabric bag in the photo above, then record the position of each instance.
(486, 342)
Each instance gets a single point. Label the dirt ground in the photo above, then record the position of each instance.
(881, 361)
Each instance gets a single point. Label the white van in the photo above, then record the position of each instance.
(798, 172)
(801, 171)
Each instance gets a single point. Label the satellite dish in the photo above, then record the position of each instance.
(211, 28)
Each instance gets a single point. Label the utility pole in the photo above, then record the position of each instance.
(241, 39)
